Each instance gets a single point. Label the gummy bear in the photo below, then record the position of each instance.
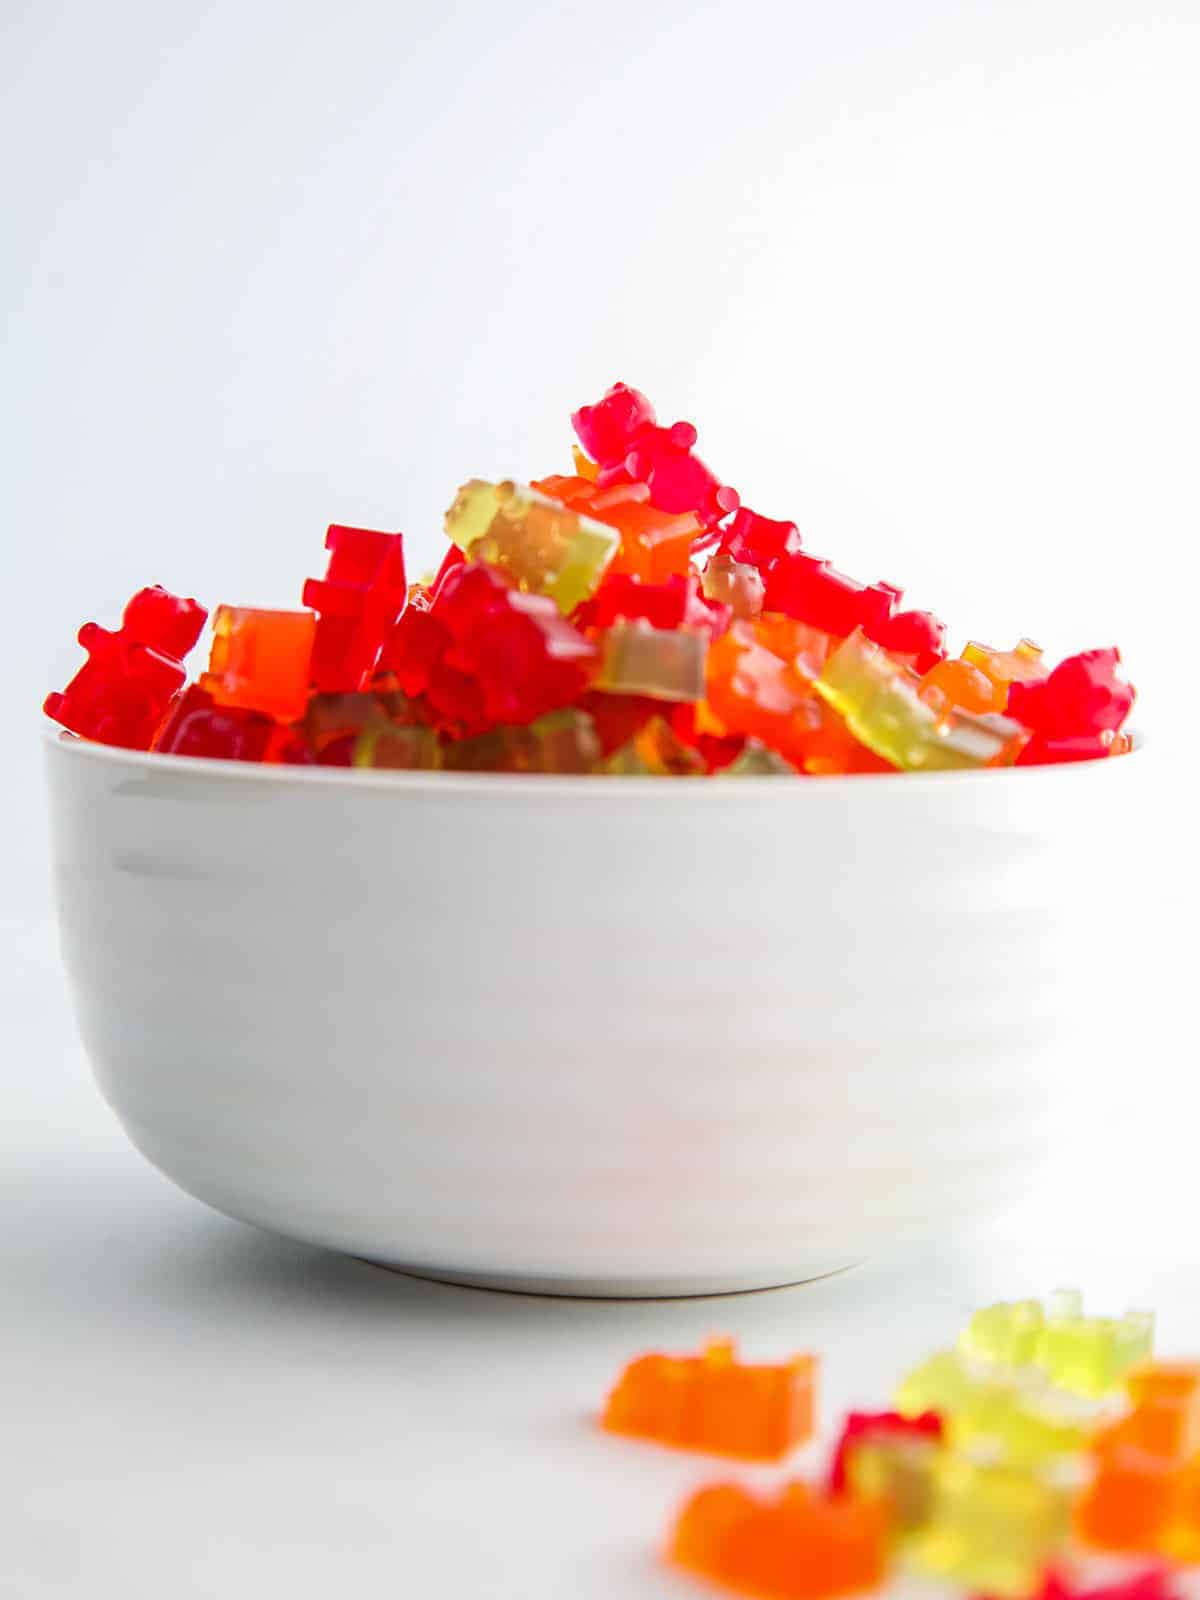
(560, 741)
(508, 656)
(122, 693)
(715, 1403)
(797, 1545)
(260, 660)
(360, 597)
(883, 708)
(1090, 1355)
(655, 750)
(991, 1526)
(676, 602)
(959, 685)
(1076, 712)
(734, 584)
(544, 546)
(397, 746)
(860, 1426)
(663, 663)
(757, 541)
(899, 1469)
(808, 589)
(1016, 1412)
(654, 545)
(621, 435)
(198, 726)
(1022, 664)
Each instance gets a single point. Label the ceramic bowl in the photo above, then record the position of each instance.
(595, 1036)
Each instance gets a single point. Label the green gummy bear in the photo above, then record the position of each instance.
(991, 1527)
(543, 546)
(882, 708)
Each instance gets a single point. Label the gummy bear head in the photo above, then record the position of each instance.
(607, 429)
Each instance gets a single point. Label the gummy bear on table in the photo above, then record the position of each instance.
(629, 618)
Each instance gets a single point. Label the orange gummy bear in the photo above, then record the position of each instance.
(797, 1546)
(260, 660)
(760, 684)
(655, 545)
(961, 684)
(713, 1402)
(1145, 1494)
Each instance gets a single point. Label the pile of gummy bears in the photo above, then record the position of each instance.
(1047, 1455)
(632, 618)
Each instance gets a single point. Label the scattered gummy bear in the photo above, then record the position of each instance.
(715, 1403)
(666, 630)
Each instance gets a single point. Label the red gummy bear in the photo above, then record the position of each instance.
(809, 590)
(662, 459)
(675, 603)
(123, 691)
(1076, 712)
(621, 435)
(486, 653)
(197, 726)
(607, 429)
(758, 541)
(1084, 694)
(1152, 1583)
(916, 634)
(861, 1425)
(361, 595)
(163, 621)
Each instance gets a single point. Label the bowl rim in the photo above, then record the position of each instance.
(481, 783)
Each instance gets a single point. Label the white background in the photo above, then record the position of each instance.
(925, 275)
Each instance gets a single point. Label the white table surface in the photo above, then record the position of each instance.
(194, 1409)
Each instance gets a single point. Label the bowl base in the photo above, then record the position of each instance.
(649, 1288)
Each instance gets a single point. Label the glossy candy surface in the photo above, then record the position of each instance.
(795, 1545)
(715, 1403)
(123, 691)
(690, 636)
(359, 598)
(261, 661)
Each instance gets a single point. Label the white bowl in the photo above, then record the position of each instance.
(594, 1036)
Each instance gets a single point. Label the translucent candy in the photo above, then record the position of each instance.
(991, 1527)
(409, 747)
(560, 741)
(738, 586)
(755, 760)
(883, 708)
(1022, 664)
(359, 599)
(198, 726)
(715, 1403)
(544, 546)
(897, 1469)
(1084, 695)
(875, 1426)
(123, 692)
(958, 685)
(621, 435)
(808, 589)
(655, 544)
(758, 541)
(665, 664)
(261, 660)
(1091, 1355)
(655, 750)
(1016, 1412)
(796, 1545)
